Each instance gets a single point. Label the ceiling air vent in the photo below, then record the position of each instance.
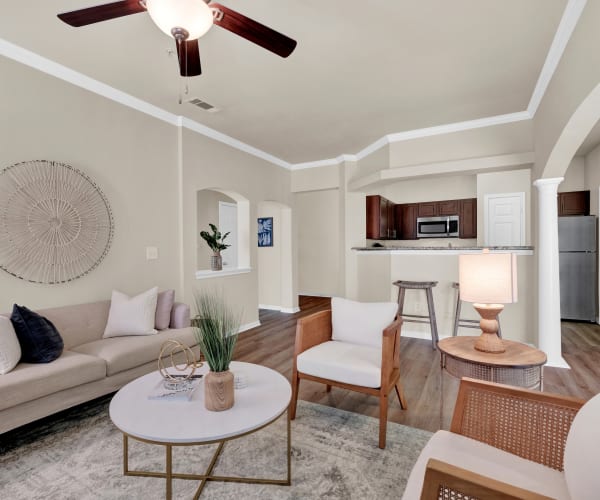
(199, 103)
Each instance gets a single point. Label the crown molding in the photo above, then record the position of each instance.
(567, 24)
(570, 17)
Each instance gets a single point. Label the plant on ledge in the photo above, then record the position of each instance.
(215, 242)
(216, 330)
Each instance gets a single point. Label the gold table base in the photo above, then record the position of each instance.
(169, 474)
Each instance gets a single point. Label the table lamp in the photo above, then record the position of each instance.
(488, 280)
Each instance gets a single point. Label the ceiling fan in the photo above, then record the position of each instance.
(186, 21)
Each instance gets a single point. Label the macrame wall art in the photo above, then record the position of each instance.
(55, 223)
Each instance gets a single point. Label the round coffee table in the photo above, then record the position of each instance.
(171, 423)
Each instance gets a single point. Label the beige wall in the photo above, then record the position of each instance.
(318, 242)
(574, 176)
(269, 260)
(207, 164)
(592, 178)
(432, 189)
(207, 206)
(515, 181)
(132, 158)
(314, 179)
(488, 141)
(577, 74)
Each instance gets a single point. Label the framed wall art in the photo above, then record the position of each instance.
(265, 231)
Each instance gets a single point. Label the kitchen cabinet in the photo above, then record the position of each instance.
(406, 221)
(438, 208)
(574, 203)
(467, 225)
(380, 218)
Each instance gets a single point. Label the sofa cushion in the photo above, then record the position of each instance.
(123, 353)
(131, 315)
(361, 322)
(80, 323)
(581, 452)
(10, 349)
(164, 304)
(39, 339)
(488, 461)
(344, 362)
(31, 381)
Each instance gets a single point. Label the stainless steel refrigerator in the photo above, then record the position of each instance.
(578, 274)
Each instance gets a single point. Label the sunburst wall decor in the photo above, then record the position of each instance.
(55, 223)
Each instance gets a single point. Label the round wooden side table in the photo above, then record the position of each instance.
(520, 365)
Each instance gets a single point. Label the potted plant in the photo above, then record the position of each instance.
(215, 241)
(216, 330)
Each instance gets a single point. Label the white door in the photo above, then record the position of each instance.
(504, 219)
(228, 224)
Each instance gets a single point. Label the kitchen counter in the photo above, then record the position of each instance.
(448, 250)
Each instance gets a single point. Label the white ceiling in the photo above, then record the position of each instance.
(361, 69)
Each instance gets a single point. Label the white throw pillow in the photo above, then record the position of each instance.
(131, 315)
(10, 349)
(361, 322)
(582, 451)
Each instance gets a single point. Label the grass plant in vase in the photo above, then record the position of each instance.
(216, 332)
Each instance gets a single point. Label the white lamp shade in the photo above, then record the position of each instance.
(192, 15)
(488, 278)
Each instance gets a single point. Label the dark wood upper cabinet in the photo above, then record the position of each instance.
(450, 207)
(467, 224)
(428, 209)
(380, 218)
(406, 220)
(574, 203)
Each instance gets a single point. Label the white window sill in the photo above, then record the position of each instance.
(207, 273)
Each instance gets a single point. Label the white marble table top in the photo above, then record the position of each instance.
(266, 396)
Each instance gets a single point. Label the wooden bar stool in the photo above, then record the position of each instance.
(466, 323)
(417, 318)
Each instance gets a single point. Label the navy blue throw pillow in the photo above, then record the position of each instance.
(39, 338)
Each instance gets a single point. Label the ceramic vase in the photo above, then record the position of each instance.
(218, 390)
(216, 263)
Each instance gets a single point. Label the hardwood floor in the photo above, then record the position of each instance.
(272, 345)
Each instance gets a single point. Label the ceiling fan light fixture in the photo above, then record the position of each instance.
(175, 16)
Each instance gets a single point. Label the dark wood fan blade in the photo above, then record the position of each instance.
(254, 31)
(100, 13)
(189, 57)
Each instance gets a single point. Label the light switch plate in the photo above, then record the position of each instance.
(151, 253)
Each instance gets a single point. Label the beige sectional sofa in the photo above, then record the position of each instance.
(90, 365)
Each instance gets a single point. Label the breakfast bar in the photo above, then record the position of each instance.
(379, 267)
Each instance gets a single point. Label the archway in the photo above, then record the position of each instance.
(207, 206)
(276, 279)
(579, 125)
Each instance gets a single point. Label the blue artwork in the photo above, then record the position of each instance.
(265, 231)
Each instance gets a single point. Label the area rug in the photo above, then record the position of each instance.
(78, 455)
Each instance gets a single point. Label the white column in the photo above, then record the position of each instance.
(549, 335)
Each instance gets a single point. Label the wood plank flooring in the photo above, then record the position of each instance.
(272, 345)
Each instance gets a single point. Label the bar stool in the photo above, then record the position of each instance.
(462, 322)
(430, 319)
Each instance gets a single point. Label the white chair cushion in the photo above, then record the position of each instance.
(10, 349)
(582, 451)
(131, 315)
(488, 461)
(348, 363)
(361, 322)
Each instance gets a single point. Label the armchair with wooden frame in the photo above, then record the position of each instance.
(354, 346)
(509, 443)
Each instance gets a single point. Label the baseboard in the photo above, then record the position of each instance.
(416, 334)
(310, 294)
(248, 326)
(287, 310)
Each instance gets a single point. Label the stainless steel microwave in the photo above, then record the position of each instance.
(437, 227)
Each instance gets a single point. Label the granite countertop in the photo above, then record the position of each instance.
(453, 248)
